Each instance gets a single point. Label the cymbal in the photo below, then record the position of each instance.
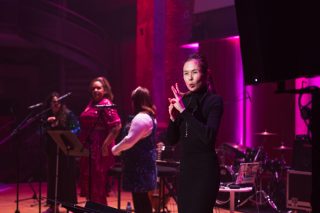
(237, 147)
(282, 148)
(265, 132)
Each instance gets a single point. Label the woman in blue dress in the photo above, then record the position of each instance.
(138, 151)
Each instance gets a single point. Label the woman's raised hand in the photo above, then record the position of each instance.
(177, 102)
(172, 111)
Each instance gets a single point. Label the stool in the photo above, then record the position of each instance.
(232, 193)
(165, 172)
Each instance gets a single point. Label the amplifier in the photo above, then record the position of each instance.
(91, 207)
(299, 186)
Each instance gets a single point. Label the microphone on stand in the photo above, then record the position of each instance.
(42, 103)
(106, 106)
(64, 96)
(35, 105)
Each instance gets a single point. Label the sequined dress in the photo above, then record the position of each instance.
(96, 123)
(139, 164)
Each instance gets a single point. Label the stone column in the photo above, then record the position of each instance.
(162, 27)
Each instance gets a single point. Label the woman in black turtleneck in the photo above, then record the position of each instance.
(194, 122)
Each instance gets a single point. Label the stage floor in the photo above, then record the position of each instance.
(27, 204)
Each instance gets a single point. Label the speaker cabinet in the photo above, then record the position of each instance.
(299, 186)
(302, 155)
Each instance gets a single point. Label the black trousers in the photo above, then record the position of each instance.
(141, 202)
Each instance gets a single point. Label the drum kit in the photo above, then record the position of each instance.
(272, 193)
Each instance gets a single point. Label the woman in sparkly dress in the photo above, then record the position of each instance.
(99, 128)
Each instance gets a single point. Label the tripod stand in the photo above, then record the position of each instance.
(37, 199)
(260, 197)
(34, 195)
(70, 146)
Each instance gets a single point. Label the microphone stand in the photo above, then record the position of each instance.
(42, 141)
(27, 121)
(14, 133)
(88, 141)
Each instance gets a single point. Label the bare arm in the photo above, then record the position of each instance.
(110, 138)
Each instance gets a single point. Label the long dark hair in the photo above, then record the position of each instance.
(142, 101)
(63, 111)
(202, 60)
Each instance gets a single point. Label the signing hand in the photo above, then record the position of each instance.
(172, 111)
(176, 102)
(178, 90)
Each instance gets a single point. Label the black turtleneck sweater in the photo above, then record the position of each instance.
(196, 129)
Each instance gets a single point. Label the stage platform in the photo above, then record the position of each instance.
(30, 205)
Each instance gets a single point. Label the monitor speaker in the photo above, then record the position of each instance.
(92, 207)
(102, 208)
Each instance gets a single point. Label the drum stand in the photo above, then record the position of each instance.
(260, 197)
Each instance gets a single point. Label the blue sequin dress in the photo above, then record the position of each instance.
(139, 165)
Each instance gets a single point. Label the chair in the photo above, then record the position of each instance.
(164, 172)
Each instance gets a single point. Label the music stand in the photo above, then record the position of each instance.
(68, 143)
(70, 146)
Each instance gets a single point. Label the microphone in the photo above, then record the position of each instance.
(41, 103)
(35, 106)
(64, 96)
(106, 106)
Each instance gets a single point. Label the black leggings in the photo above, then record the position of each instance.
(141, 202)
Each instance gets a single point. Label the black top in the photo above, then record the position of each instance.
(66, 187)
(196, 129)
